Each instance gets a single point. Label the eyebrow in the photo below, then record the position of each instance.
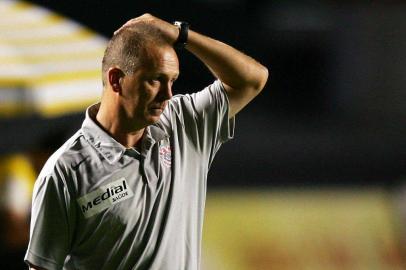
(166, 75)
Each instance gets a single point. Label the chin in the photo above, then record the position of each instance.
(152, 119)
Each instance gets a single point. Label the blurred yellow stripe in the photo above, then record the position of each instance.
(80, 35)
(16, 8)
(40, 18)
(48, 20)
(65, 77)
(52, 57)
(50, 78)
(21, 5)
(12, 82)
(59, 108)
(55, 109)
(13, 109)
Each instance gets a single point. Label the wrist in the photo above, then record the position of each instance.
(183, 33)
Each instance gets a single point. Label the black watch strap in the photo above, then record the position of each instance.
(180, 43)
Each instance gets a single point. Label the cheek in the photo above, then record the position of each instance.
(150, 94)
(147, 90)
(140, 95)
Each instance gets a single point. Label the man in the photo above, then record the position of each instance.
(127, 191)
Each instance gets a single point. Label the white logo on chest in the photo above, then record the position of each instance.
(104, 197)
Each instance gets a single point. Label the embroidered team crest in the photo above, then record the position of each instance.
(165, 155)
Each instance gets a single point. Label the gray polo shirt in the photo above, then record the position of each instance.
(98, 205)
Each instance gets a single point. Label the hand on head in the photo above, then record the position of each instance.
(170, 31)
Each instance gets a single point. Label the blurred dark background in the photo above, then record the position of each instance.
(333, 111)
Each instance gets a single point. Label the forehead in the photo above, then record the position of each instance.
(162, 60)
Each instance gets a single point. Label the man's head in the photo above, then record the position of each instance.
(139, 68)
(127, 48)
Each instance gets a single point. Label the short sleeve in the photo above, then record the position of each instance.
(204, 118)
(51, 220)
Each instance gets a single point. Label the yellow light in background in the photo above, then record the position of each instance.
(314, 230)
(50, 64)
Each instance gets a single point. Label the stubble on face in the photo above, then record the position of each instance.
(148, 90)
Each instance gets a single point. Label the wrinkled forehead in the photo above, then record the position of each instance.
(162, 58)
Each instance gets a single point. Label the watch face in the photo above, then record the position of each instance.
(178, 24)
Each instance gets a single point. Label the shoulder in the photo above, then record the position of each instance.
(212, 91)
(61, 160)
(191, 107)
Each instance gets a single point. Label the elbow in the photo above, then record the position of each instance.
(252, 81)
(261, 78)
(264, 77)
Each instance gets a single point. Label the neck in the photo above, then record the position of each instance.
(130, 139)
(119, 128)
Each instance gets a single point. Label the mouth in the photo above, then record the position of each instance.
(158, 109)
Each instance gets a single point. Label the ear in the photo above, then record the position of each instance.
(114, 76)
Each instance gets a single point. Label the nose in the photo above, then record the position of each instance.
(166, 91)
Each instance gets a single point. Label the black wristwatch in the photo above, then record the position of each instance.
(180, 43)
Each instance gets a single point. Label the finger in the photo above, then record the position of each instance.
(128, 23)
(146, 18)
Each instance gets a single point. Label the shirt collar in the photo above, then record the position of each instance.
(106, 145)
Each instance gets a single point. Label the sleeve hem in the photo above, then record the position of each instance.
(35, 260)
(227, 131)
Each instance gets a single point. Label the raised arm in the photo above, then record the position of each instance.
(242, 76)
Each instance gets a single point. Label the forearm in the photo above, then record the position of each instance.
(231, 66)
(243, 77)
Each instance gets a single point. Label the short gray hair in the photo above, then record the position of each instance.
(127, 48)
